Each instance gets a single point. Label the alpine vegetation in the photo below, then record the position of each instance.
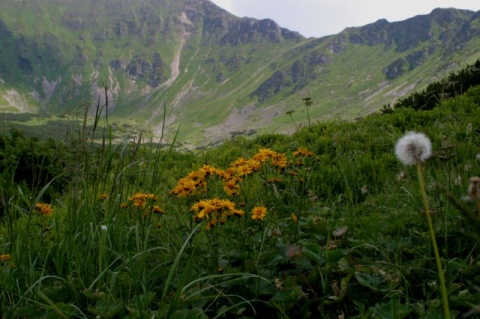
(324, 223)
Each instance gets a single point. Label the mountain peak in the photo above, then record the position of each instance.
(220, 74)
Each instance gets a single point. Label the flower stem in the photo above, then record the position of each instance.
(443, 289)
(478, 207)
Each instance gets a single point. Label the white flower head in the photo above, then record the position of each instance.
(474, 189)
(413, 147)
(340, 231)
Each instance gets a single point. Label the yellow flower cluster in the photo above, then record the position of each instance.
(215, 210)
(103, 196)
(141, 199)
(236, 172)
(195, 182)
(277, 159)
(44, 209)
(242, 167)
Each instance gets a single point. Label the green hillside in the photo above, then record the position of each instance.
(190, 65)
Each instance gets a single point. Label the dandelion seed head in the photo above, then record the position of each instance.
(293, 250)
(412, 148)
(474, 189)
(340, 231)
(278, 284)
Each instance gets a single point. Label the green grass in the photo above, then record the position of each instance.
(345, 230)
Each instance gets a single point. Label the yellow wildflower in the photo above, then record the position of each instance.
(103, 196)
(259, 213)
(254, 164)
(214, 210)
(303, 152)
(238, 212)
(208, 170)
(294, 217)
(44, 209)
(140, 199)
(5, 257)
(196, 176)
(231, 187)
(239, 162)
(189, 185)
(274, 180)
(244, 170)
(264, 154)
(279, 160)
(226, 204)
(158, 210)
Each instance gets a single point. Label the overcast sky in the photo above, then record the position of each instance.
(325, 17)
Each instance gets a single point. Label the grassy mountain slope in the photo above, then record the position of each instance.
(210, 73)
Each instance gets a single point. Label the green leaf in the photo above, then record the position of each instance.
(392, 309)
(343, 292)
(238, 255)
(194, 313)
(259, 286)
(106, 308)
(143, 301)
(332, 256)
(314, 252)
(369, 281)
(61, 310)
(290, 295)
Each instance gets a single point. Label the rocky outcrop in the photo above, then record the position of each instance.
(440, 24)
(151, 69)
(300, 73)
(225, 30)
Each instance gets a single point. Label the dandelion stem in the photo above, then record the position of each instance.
(443, 289)
(478, 207)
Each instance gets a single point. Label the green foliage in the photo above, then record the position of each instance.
(344, 234)
(455, 84)
(27, 164)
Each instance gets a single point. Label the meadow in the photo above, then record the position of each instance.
(324, 223)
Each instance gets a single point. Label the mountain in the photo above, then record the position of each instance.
(190, 66)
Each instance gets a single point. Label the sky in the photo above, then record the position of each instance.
(317, 18)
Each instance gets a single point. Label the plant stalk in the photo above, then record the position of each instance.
(443, 289)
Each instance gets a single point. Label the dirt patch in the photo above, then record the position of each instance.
(49, 88)
(15, 100)
(248, 118)
(400, 90)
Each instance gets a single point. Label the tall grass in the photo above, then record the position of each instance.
(325, 223)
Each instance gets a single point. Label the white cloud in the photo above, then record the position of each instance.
(323, 17)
